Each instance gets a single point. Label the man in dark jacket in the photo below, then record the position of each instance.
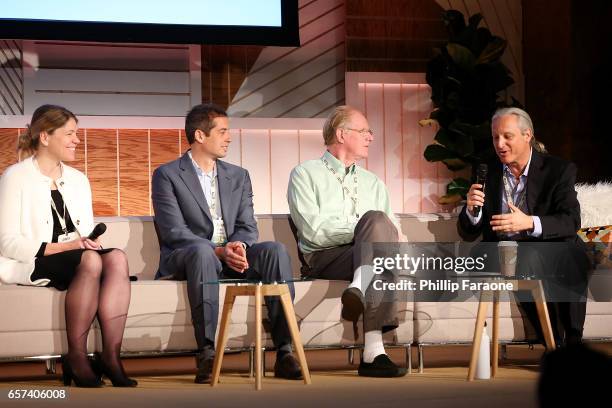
(530, 197)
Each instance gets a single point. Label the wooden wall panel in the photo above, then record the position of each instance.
(120, 162)
(392, 35)
(102, 170)
(111, 79)
(164, 146)
(81, 152)
(184, 143)
(504, 19)
(134, 172)
(8, 147)
(305, 81)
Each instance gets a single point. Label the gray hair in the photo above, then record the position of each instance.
(524, 124)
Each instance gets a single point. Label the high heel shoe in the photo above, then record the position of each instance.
(68, 377)
(121, 380)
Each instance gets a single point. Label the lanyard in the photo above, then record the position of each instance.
(213, 198)
(62, 219)
(346, 190)
(510, 192)
(219, 235)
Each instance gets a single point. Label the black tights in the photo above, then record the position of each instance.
(101, 284)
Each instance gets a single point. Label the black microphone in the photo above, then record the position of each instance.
(97, 231)
(481, 178)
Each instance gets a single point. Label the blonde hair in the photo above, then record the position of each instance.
(337, 119)
(47, 118)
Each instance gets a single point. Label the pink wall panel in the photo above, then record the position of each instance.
(311, 145)
(375, 110)
(394, 103)
(234, 154)
(429, 171)
(284, 157)
(393, 144)
(256, 158)
(412, 149)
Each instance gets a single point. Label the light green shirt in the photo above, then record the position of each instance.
(323, 210)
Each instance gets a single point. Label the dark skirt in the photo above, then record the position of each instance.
(60, 268)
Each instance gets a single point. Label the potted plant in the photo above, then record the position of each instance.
(467, 79)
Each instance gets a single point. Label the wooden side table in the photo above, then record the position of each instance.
(258, 290)
(535, 287)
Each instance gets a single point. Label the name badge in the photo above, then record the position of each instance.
(219, 237)
(71, 236)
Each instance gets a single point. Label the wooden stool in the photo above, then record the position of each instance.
(258, 290)
(535, 287)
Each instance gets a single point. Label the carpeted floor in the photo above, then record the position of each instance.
(334, 384)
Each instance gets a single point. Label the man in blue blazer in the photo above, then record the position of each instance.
(204, 215)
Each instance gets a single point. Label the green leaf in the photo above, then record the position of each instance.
(493, 51)
(436, 153)
(461, 56)
(455, 164)
(443, 138)
(459, 186)
(459, 143)
(474, 20)
(451, 199)
(477, 132)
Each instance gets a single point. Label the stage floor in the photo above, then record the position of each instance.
(334, 383)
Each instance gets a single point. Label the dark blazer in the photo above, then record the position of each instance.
(182, 214)
(550, 196)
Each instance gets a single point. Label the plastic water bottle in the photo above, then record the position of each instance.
(483, 368)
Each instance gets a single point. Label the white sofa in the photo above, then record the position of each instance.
(159, 315)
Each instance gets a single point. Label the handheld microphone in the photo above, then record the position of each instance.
(97, 231)
(481, 178)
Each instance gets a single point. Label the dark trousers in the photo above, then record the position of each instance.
(200, 267)
(564, 270)
(339, 263)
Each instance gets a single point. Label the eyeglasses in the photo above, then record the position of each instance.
(362, 132)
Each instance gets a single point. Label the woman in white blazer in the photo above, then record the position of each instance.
(45, 217)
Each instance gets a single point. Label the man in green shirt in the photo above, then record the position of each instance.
(340, 209)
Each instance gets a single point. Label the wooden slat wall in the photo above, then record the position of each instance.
(11, 77)
(393, 104)
(392, 35)
(111, 79)
(305, 81)
(119, 162)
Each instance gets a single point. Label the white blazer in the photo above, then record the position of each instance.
(26, 220)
